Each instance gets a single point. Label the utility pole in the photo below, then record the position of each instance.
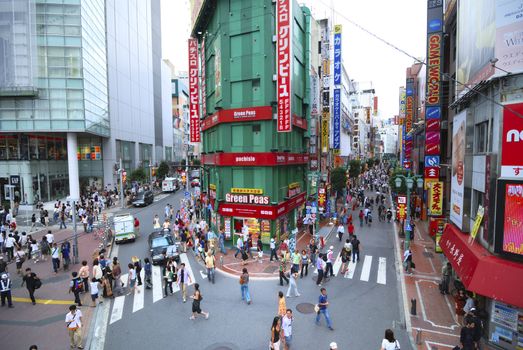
(122, 196)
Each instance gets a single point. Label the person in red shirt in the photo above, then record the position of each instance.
(351, 228)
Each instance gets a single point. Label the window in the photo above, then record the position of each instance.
(12, 146)
(481, 137)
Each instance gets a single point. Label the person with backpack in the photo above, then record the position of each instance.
(244, 286)
(19, 259)
(76, 286)
(32, 282)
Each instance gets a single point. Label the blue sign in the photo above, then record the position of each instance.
(187, 194)
(431, 161)
(435, 25)
(336, 119)
(337, 59)
(433, 113)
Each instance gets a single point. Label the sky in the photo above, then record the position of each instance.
(402, 23)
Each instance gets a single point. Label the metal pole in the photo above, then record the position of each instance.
(75, 236)
(122, 196)
(407, 233)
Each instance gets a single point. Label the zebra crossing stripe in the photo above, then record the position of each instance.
(337, 265)
(184, 259)
(382, 271)
(365, 271)
(352, 268)
(157, 283)
(139, 296)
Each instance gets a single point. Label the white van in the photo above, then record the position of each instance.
(170, 184)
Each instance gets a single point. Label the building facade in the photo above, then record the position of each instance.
(253, 176)
(77, 94)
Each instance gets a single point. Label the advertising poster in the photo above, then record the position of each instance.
(194, 108)
(325, 132)
(512, 142)
(513, 219)
(477, 223)
(217, 70)
(337, 54)
(436, 198)
(227, 225)
(284, 16)
(315, 93)
(402, 207)
(336, 140)
(203, 78)
(458, 169)
(266, 231)
(402, 99)
(509, 36)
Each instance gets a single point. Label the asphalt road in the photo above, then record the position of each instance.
(362, 304)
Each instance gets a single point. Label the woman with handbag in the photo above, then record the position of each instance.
(275, 334)
(389, 342)
(196, 303)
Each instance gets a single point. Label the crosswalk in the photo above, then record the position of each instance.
(364, 269)
(140, 296)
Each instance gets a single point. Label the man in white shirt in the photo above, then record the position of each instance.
(286, 325)
(9, 246)
(73, 320)
(341, 230)
(245, 232)
(50, 237)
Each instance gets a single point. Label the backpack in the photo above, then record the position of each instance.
(77, 284)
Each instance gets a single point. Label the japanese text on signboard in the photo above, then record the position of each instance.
(337, 54)
(194, 113)
(284, 60)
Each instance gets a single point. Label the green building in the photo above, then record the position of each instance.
(253, 175)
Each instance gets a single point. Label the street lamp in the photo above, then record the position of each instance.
(409, 181)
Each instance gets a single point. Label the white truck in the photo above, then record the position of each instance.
(124, 230)
(169, 184)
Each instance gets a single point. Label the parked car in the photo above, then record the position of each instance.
(143, 198)
(195, 183)
(162, 241)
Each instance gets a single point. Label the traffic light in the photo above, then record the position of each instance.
(124, 176)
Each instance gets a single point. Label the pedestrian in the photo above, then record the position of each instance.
(356, 246)
(76, 287)
(73, 320)
(260, 250)
(389, 342)
(62, 219)
(33, 222)
(322, 307)
(33, 347)
(272, 245)
(97, 270)
(341, 230)
(19, 259)
(361, 215)
(148, 268)
(239, 247)
(196, 303)
(45, 249)
(55, 257)
(345, 258)
(170, 272)
(66, 254)
(478, 326)
(245, 256)
(459, 302)
(275, 333)
(296, 260)
(5, 290)
(286, 325)
(350, 228)
(138, 269)
(3, 264)
(283, 271)
(304, 263)
(466, 337)
(330, 260)
(446, 272)
(32, 282)
(221, 241)
(320, 266)
(210, 263)
(131, 279)
(83, 273)
(293, 285)
(282, 304)
(93, 286)
(184, 278)
(50, 237)
(407, 260)
(9, 245)
(244, 286)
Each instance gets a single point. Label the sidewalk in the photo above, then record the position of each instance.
(43, 324)
(267, 269)
(435, 318)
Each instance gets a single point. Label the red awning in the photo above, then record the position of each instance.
(481, 271)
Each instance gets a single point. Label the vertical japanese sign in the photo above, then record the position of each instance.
(337, 54)
(325, 132)
(315, 93)
(375, 111)
(436, 198)
(217, 69)
(409, 112)
(203, 84)
(512, 142)
(336, 124)
(194, 112)
(402, 207)
(284, 60)
(433, 74)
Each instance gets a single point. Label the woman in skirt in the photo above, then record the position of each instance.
(196, 301)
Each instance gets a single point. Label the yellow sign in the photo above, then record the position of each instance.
(429, 181)
(337, 29)
(247, 190)
(436, 198)
(477, 224)
(325, 132)
(212, 187)
(294, 185)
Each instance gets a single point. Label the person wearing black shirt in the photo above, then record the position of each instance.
(467, 336)
(30, 281)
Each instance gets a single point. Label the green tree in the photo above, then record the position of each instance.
(370, 162)
(183, 162)
(354, 168)
(392, 183)
(163, 170)
(138, 175)
(338, 179)
(196, 161)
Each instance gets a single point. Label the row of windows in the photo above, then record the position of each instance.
(32, 147)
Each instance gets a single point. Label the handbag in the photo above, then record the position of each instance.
(38, 283)
(412, 265)
(316, 308)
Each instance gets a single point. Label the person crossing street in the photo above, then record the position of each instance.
(322, 307)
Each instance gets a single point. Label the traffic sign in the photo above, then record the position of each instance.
(187, 194)
(431, 161)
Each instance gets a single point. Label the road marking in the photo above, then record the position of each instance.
(382, 271)
(139, 296)
(351, 269)
(124, 278)
(365, 270)
(117, 312)
(337, 265)
(157, 283)
(184, 259)
(203, 274)
(44, 301)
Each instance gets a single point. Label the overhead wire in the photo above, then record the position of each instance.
(417, 60)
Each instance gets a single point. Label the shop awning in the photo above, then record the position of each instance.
(481, 271)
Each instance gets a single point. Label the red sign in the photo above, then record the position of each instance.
(299, 122)
(284, 17)
(237, 115)
(194, 112)
(255, 159)
(270, 212)
(375, 105)
(513, 218)
(432, 149)
(203, 85)
(402, 207)
(512, 142)
(432, 172)
(433, 125)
